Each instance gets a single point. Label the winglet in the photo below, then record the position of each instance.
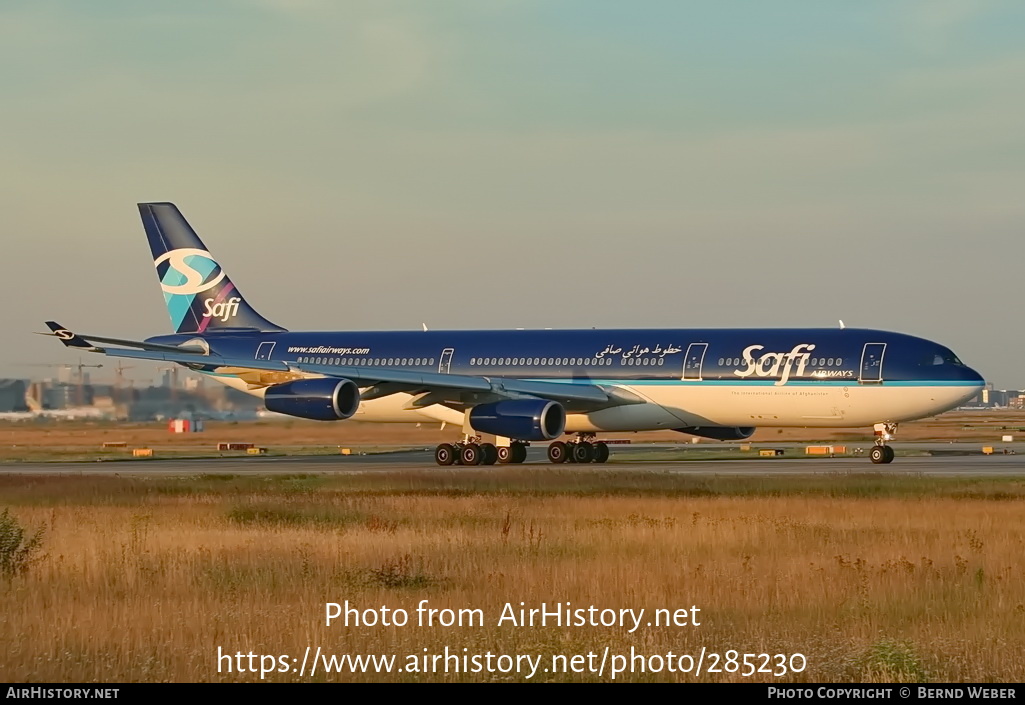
(70, 339)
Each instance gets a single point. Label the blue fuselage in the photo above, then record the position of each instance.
(774, 357)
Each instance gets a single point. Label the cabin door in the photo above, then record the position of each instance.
(693, 360)
(872, 362)
(445, 364)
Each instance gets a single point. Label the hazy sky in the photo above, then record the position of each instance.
(565, 163)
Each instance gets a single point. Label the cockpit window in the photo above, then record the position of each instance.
(942, 357)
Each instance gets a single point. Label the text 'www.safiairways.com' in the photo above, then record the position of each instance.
(315, 661)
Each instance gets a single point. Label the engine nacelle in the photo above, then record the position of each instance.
(719, 433)
(324, 399)
(520, 419)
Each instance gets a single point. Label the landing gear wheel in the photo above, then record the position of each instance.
(445, 454)
(513, 453)
(489, 454)
(557, 452)
(582, 452)
(471, 454)
(519, 452)
(601, 452)
(881, 455)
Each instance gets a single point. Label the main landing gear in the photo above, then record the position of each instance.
(470, 451)
(881, 453)
(582, 450)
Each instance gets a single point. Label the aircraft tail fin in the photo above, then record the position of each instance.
(199, 295)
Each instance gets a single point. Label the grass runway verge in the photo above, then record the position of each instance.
(871, 577)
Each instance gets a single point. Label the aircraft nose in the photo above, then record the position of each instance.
(976, 377)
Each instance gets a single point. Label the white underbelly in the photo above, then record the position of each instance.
(803, 405)
(701, 404)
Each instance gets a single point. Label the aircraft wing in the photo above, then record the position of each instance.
(427, 388)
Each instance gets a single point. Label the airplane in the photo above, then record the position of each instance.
(531, 386)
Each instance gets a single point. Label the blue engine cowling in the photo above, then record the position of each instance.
(325, 399)
(719, 433)
(520, 419)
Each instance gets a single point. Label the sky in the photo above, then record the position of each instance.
(499, 164)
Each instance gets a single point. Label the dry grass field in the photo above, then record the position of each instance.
(870, 577)
(84, 440)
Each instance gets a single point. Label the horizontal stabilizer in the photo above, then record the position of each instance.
(68, 338)
(82, 341)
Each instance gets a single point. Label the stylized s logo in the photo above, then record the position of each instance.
(195, 272)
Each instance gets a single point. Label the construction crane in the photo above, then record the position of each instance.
(119, 380)
(79, 379)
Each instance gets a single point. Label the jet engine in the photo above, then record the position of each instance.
(323, 399)
(521, 419)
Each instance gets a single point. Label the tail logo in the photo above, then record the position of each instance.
(189, 272)
(222, 310)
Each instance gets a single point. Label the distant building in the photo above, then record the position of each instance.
(67, 396)
(12, 395)
(990, 398)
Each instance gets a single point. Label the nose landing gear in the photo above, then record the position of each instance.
(882, 453)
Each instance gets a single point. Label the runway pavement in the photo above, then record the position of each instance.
(947, 462)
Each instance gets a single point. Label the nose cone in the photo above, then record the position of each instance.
(972, 377)
(969, 382)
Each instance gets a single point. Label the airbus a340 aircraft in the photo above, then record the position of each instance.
(524, 386)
